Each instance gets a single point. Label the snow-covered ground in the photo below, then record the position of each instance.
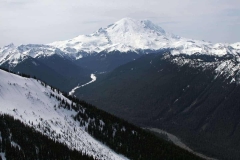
(93, 77)
(226, 67)
(2, 155)
(31, 102)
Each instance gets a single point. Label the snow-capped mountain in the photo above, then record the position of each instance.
(37, 105)
(132, 35)
(124, 35)
(15, 54)
(91, 52)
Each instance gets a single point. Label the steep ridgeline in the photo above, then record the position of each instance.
(195, 97)
(44, 109)
(43, 115)
(44, 62)
(18, 141)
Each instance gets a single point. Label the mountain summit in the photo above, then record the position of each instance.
(125, 35)
(136, 25)
(130, 34)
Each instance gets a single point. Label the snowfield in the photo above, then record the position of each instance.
(130, 34)
(29, 101)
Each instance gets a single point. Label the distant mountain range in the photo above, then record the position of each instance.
(104, 50)
(126, 35)
(94, 51)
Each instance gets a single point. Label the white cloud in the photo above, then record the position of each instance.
(44, 21)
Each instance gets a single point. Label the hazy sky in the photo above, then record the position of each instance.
(45, 21)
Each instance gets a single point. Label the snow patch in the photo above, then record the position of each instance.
(229, 68)
(35, 63)
(2, 155)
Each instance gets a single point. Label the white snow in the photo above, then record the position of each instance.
(229, 68)
(16, 54)
(236, 45)
(93, 77)
(2, 155)
(35, 63)
(124, 35)
(14, 144)
(129, 34)
(30, 102)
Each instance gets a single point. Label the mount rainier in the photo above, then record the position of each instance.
(126, 35)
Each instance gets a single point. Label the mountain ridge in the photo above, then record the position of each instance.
(73, 123)
(36, 104)
(194, 97)
(127, 34)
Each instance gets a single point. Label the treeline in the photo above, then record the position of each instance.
(188, 99)
(21, 142)
(20, 74)
(123, 137)
(23, 75)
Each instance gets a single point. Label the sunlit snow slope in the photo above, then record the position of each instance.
(130, 34)
(31, 102)
(15, 54)
(124, 35)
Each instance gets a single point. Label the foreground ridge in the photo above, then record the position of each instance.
(74, 123)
